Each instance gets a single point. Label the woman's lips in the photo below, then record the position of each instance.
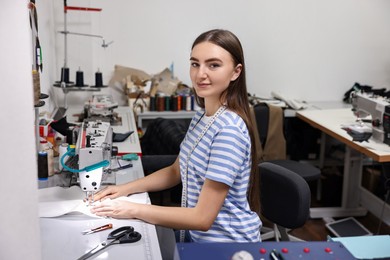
(203, 85)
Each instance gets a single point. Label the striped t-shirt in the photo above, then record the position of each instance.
(222, 155)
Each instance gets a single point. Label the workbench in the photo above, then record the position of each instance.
(356, 200)
(61, 236)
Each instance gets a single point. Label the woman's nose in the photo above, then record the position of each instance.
(202, 72)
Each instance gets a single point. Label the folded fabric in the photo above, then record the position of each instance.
(58, 201)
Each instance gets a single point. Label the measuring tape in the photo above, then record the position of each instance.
(146, 238)
(184, 183)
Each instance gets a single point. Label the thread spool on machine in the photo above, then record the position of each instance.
(64, 82)
(99, 80)
(69, 86)
(80, 79)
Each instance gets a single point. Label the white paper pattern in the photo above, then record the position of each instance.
(58, 201)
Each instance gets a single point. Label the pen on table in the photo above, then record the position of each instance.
(93, 230)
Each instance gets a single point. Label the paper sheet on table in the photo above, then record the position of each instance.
(58, 201)
(367, 247)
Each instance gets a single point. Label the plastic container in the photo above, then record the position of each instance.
(48, 148)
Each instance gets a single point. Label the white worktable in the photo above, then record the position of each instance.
(329, 121)
(62, 239)
(61, 236)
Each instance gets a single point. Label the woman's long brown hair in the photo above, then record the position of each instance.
(236, 98)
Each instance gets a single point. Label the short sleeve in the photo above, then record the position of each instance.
(229, 153)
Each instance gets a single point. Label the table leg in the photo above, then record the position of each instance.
(350, 200)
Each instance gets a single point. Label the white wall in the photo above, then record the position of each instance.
(19, 225)
(309, 49)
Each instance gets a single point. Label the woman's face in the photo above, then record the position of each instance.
(212, 69)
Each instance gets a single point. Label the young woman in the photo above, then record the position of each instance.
(217, 161)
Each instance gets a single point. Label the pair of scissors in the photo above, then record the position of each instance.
(120, 235)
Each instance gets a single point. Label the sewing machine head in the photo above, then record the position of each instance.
(367, 104)
(94, 147)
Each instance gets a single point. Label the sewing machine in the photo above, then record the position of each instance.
(366, 104)
(94, 150)
(100, 105)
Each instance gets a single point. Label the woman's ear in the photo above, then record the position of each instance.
(236, 72)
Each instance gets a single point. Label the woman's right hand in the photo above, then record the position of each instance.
(111, 192)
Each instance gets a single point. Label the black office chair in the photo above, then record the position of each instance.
(285, 199)
(152, 163)
(160, 147)
(270, 139)
(163, 136)
(161, 144)
(266, 125)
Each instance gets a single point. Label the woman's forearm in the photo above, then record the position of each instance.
(174, 217)
(160, 180)
(200, 217)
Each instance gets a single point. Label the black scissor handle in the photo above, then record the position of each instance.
(130, 237)
(120, 232)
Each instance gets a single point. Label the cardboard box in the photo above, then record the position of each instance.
(370, 178)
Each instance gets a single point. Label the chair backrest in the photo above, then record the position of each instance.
(262, 121)
(163, 136)
(285, 196)
(268, 121)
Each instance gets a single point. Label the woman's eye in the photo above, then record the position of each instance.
(194, 64)
(214, 65)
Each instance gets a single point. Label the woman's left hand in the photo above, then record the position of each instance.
(115, 209)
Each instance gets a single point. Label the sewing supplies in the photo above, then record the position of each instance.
(130, 157)
(43, 170)
(48, 148)
(65, 75)
(62, 150)
(98, 229)
(120, 235)
(99, 80)
(80, 79)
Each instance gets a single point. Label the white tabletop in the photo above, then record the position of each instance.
(331, 120)
(62, 239)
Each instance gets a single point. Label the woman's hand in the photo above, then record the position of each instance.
(115, 209)
(111, 192)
